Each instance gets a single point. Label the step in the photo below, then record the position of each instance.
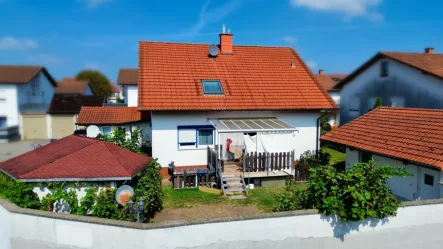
(234, 185)
(237, 197)
(233, 190)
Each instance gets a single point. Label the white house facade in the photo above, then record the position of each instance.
(24, 101)
(399, 79)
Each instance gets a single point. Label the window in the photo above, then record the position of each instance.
(429, 180)
(212, 87)
(205, 137)
(2, 122)
(365, 156)
(35, 84)
(384, 69)
(107, 129)
(192, 137)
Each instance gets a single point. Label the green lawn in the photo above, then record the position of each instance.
(263, 198)
(336, 156)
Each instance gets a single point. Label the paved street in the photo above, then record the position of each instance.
(10, 150)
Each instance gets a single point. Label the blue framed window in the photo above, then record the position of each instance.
(2, 122)
(107, 129)
(192, 137)
(384, 69)
(212, 87)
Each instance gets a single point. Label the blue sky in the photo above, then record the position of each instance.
(335, 35)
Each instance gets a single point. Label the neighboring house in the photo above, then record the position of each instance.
(399, 137)
(64, 110)
(110, 118)
(202, 95)
(117, 94)
(328, 82)
(73, 86)
(128, 79)
(400, 79)
(25, 94)
(75, 159)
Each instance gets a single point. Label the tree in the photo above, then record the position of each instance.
(360, 193)
(118, 137)
(377, 103)
(100, 84)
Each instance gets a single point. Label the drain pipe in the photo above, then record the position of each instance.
(324, 113)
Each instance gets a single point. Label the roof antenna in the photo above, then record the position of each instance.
(224, 29)
(229, 31)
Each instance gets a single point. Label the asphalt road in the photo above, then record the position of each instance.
(10, 150)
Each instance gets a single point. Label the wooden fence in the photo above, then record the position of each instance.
(263, 161)
(193, 179)
(301, 173)
(214, 163)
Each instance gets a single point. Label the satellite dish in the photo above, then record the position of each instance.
(213, 50)
(92, 131)
(124, 194)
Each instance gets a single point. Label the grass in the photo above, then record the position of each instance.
(263, 198)
(336, 156)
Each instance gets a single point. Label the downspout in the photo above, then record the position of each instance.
(317, 141)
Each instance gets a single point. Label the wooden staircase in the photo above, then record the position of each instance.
(233, 183)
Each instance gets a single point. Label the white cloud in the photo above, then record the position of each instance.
(95, 3)
(312, 64)
(350, 8)
(210, 16)
(45, 59)
(10, 43)
(289, 39)
(376, 17)
(93, 66)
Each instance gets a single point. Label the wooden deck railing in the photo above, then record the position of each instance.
(193, 179)
(265, 161)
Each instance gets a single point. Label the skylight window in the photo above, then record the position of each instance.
(212, 87)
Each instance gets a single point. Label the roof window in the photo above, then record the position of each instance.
(212, 87)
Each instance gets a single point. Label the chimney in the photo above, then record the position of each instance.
(320, 71)
(429, 50)
(225, 41)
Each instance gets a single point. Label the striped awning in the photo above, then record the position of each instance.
(252, 125)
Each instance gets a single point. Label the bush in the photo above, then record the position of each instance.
(310, 159)
(18, 192)
(148, 185)
(118, 138)
(360, 193)
(292, 198)
(88, 201)
(106, 206)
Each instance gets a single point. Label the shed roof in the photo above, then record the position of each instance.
(15, 74)
(404, 133)
(75, 158)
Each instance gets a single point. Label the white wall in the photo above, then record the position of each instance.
(408, 188)
(131, 97)
(405, 86)
(164, 133)
(335, 96)
(413, 227)
(9, 104)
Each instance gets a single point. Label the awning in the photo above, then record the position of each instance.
(246, 125)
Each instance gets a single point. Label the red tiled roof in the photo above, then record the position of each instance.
(71, 86)
(405, 133)
(429, 63)
(328, 81)
(116, 89)
(128, 76)
(252, 78)
(109, 115)
(72, 103)
(73, 158)
(22, 74)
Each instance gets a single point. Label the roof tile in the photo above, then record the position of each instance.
(109, 115)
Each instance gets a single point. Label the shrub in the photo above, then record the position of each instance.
(378, 103)
(118, 137)
(310, 159)
(148, 184)
(88, 201)
(106, 206)
(19, 193)
(292, 198)
(360, 193)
